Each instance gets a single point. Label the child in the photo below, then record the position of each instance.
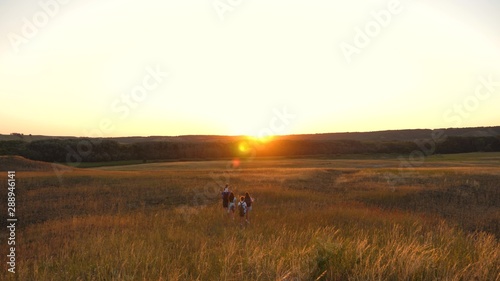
(242, 207)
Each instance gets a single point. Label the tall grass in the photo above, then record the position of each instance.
(307, 224)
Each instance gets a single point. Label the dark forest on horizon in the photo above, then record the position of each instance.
(78, 150)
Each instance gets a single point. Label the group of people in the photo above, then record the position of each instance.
(230, 202)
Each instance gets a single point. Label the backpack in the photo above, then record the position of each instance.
(225, 195)
(241, 208)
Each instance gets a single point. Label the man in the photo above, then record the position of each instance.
(225, 197)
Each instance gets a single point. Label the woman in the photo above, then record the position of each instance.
(248, 201)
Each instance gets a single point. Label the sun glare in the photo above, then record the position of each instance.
(261, 139)
(243, 147)
(250, 142)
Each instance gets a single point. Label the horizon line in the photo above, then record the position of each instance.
(242, 135)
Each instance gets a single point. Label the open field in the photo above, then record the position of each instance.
(313, 219)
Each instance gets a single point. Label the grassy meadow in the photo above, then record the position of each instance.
(313, 219)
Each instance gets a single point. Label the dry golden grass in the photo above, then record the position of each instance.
(312, 220)
(22, 164)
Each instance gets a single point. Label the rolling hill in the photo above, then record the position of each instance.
(387, 135)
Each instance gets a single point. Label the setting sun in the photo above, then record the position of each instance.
(261, 138)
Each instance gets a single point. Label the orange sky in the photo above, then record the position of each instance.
(114, 68)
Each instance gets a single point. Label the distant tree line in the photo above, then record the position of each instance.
(97, 150)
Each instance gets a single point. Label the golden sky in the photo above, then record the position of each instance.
(228, 67)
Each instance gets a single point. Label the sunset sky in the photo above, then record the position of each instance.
(234, 67)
